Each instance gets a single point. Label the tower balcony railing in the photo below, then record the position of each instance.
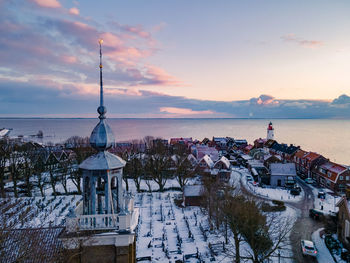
(99, 222)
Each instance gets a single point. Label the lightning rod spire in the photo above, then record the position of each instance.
(101, 109)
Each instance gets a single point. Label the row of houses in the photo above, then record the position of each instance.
(325, 173)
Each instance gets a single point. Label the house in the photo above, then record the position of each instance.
(309, 161)
(205, 164)
(332, 176)
(240, 144)
(201, 150)
(192, 195)
(269, 159)
(287, 152)
(343, 226)
(298, 156)
(268, 144)
(180, 140)
(259, 143)
(282, 174)
(223, 167)
(248, 148)
(259, 171)
(192, 160)
(220, 143)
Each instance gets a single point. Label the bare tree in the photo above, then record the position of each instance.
(183, 170)
(157, 166)
(82, 150)
(4, 158)
(134, 169)
(15, 162)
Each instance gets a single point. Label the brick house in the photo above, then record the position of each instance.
(309, 161)
(332, 176)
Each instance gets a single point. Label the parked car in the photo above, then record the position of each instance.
(321, 195)
(316, 214)
(308, 248)
(295, 191)
(309, 181)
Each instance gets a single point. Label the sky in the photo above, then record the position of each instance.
(162, 58)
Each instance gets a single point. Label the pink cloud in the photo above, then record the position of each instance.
(301, 41)
(69, 59)
(48, 3)
(138, 30)
(160, 76)
(183, 111)
(74, 11)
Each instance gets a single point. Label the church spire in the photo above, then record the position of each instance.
(102, 136)
(101, 109)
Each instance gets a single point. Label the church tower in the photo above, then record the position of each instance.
(103, 225)
(270, 132)
(102, 172)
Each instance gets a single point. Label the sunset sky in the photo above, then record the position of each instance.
(178, 58)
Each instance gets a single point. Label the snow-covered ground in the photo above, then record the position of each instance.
(46, 211)
(167, 233)
(271, 193)
(323, 255)
(329, 203)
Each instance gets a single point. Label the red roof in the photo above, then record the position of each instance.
(334, 168)
(300, 154)
(311, 156)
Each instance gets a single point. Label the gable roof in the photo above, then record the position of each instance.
(284, 148)
(287, 169)
(225, 161)
(312, 156)
(208, 161)
(300, 153)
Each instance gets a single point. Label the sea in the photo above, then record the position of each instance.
(329, 137)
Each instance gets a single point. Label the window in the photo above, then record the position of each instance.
(329, 174)
(347, 178)
(341, 177)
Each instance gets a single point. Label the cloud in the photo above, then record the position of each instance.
(184, 111)
(342, 99)
(48, 3)
(74, 11)
(69, 45)
(264, 100)
(44, 97)
(302, 42)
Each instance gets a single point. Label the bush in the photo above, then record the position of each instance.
(266, 207)
(278, 202)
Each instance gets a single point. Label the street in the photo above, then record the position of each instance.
(304, 226)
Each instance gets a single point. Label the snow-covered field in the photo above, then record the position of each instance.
(167, 233)
(25, 212)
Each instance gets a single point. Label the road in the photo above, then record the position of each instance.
(304, 226)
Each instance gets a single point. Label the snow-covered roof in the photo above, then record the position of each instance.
(246, 157)
(208, 160)
(102, 161)
(225, 161)
(193, 190)
(287, 169)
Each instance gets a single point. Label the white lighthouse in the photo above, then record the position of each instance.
(270, 132)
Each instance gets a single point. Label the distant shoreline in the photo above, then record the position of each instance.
(122, 118)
